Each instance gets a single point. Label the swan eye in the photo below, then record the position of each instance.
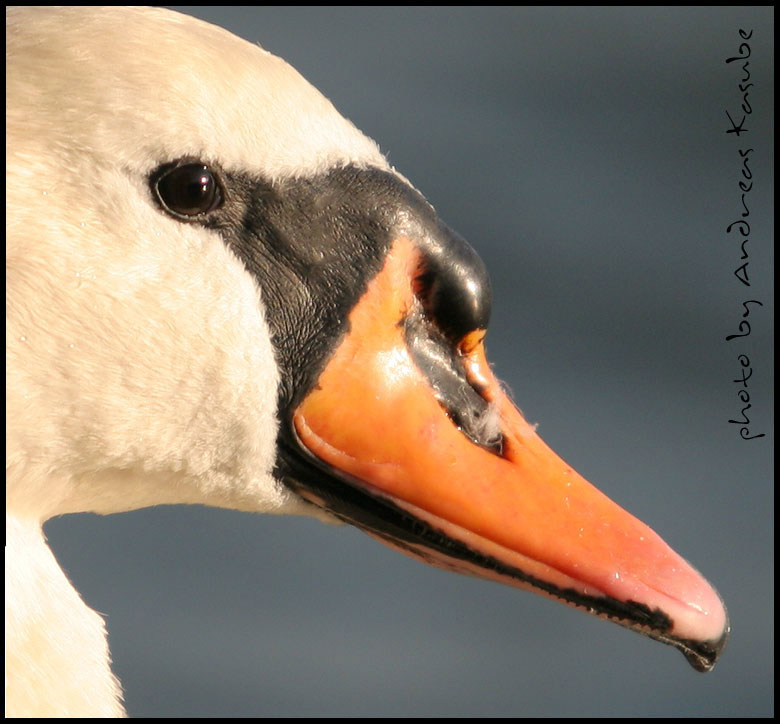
(188, 190)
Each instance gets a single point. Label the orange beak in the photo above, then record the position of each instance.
(511, 510)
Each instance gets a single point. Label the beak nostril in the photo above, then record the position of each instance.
(471, 341)
(460, 393)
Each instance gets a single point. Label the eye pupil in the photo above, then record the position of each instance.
(189, 190)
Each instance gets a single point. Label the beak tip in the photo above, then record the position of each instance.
(703, 656)
(700, 632)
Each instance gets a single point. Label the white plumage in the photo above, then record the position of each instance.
(139, 365)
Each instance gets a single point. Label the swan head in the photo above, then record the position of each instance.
(220, 292)
(144, 371)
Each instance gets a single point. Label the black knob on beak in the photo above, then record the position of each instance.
(454, 287)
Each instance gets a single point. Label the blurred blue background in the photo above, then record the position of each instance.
(584, 154)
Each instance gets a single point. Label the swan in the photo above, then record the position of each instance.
(219, 292)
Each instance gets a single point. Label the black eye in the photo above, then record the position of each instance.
(188, 190)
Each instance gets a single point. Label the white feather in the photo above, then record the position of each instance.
(139, 365)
